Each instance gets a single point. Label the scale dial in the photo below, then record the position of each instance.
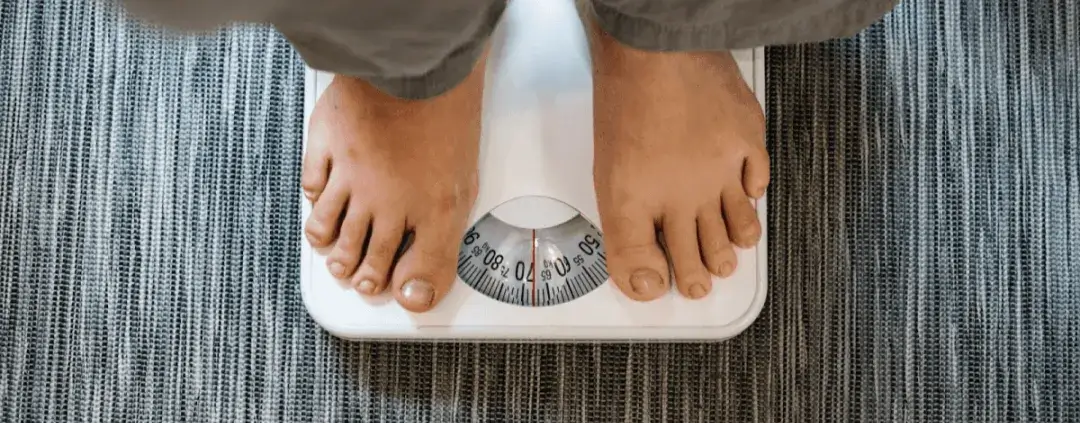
(532, 267)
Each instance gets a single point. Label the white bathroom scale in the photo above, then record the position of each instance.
(532, 265)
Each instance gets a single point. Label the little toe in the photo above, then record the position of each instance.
(743, 225)
(426, 271)
(716, 250)
(387, 232)
(322, 225)
(680, 236)
(316, 167)
(636, 262)
(344, 258)
(756, 173)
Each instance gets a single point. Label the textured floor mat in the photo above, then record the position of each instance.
(924, 240)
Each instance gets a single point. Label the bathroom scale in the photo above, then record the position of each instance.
(531, 266)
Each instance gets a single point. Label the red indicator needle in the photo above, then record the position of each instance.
(533, 267)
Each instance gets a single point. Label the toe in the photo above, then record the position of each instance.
(680, 236)
(425, 272)
(342, 261)
(386, 236)
(635, 261)
(316, 169)
(716, 250)
(743, 226)
(322, 225)
(756, 173)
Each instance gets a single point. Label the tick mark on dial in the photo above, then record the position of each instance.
(495, 261)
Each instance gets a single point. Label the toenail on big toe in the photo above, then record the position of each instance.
(418, 293)
(645, 281)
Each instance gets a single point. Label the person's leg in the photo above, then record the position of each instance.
(725, 25)
(680, 143)
(393, 141)
(412, 49)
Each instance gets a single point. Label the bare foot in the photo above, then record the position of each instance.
(380, 167)
(679, 148)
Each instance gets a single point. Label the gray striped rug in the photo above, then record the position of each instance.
(925, 240)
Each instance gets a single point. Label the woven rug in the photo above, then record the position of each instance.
(924, 238)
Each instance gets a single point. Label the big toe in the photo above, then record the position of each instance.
(635, 260)
(426, 271)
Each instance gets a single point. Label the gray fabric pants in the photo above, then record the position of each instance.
(421, 48)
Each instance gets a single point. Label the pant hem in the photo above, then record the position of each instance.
(843, 19)
(328, 56)
(451, 72)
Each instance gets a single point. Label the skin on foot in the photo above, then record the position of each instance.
(679, 156)
(380, 171)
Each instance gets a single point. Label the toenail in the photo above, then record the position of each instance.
(337, 269)
(697, 291)
(645, 281)
(418, 293)
(366, 287)
(726, 268)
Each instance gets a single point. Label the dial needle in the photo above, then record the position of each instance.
(533, 267)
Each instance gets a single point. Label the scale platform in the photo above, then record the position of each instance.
(531, 266)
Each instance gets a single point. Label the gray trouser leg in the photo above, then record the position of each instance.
(422, 48)
(412, 49)
(407, 48)
(714, 25)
